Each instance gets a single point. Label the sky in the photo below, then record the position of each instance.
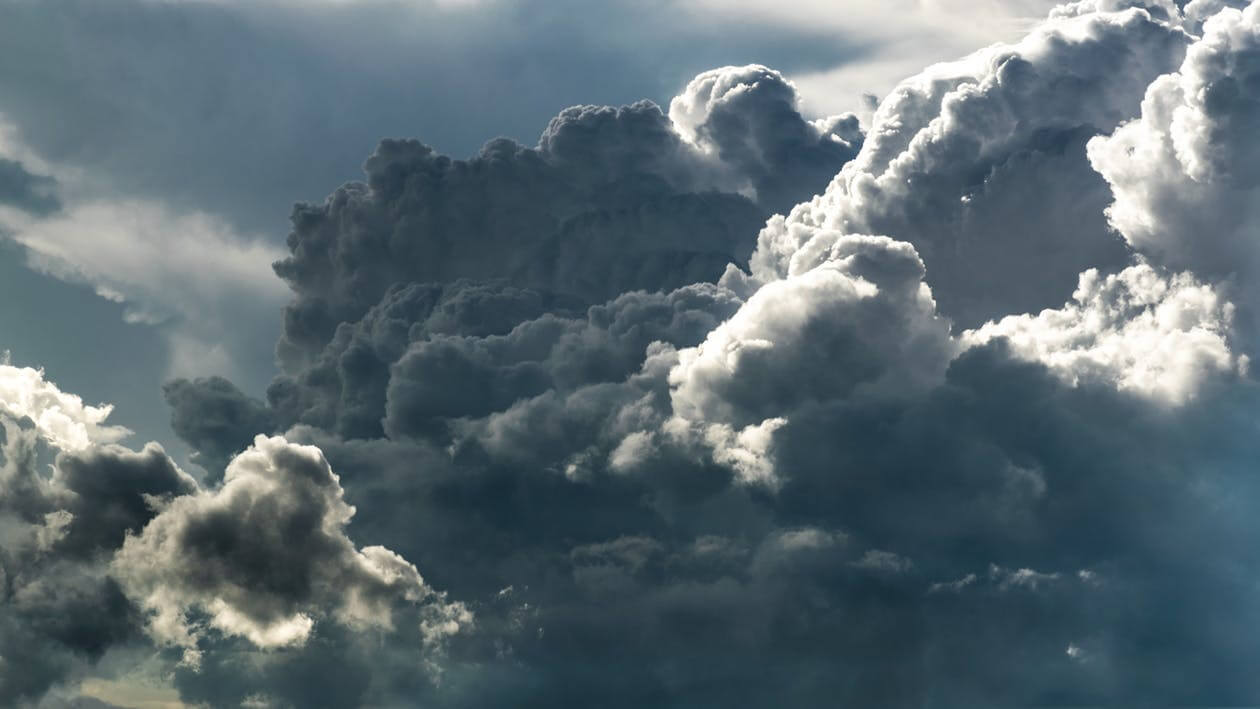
(680, 353)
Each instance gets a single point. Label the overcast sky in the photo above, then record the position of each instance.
(466, 353)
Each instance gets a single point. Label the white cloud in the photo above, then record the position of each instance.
(61, 418)
(1186, 173)
(1137, 330)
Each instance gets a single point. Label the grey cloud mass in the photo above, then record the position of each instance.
(712, 406)
(24, 190)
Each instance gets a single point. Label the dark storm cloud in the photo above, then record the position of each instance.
(796, 486)
(112, 544)
(58, 610)
(215, 418)
(612, 200)
(646, 477)
(1041, 493)
(210, 108)
(114, 491)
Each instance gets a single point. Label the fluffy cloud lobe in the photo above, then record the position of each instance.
(262, 555)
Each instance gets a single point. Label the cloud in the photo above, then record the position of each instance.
(611, 200)
(813, 463)
(114, 541)
(898, 461)
(216, 419)
(59, 610)
(1140, 331)
(980, 164)
(1183, 173)
(264, 556)
(749, 117)
(63, 418)
(861, 319)
(190, 271)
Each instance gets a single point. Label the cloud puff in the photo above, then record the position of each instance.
(264, 556)
(1137, 330)
(749, 118)
(63, 418)
(862, 321)
(59, 609)
(1184, 173)
(980, 164)
(217, 419)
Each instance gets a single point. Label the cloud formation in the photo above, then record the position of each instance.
(612, 200)
(980, 165)
(814, 462)
(1184, 172)
(114, 542)
(262, 555)
(937, 437)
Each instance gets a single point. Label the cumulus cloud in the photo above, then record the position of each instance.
(1184, 172)
(980, 164)
(891, 459)
(112, 541)
(217, 419)
(862, 320)
(59, 609)
(611, 200)
(264, 555)
(749, 117)
(1137, 330)
(61, 417)
(814, 458)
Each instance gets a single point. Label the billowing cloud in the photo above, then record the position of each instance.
(1137, 330)
(113, 542)
(61, 417)
(980, 164)
(611, 200)
(263, 556)
(899, 447)
(749, 117)
(215, 418)
(1184, 173)
(944, 438)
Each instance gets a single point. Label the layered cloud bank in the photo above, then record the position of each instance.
(971, 424)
